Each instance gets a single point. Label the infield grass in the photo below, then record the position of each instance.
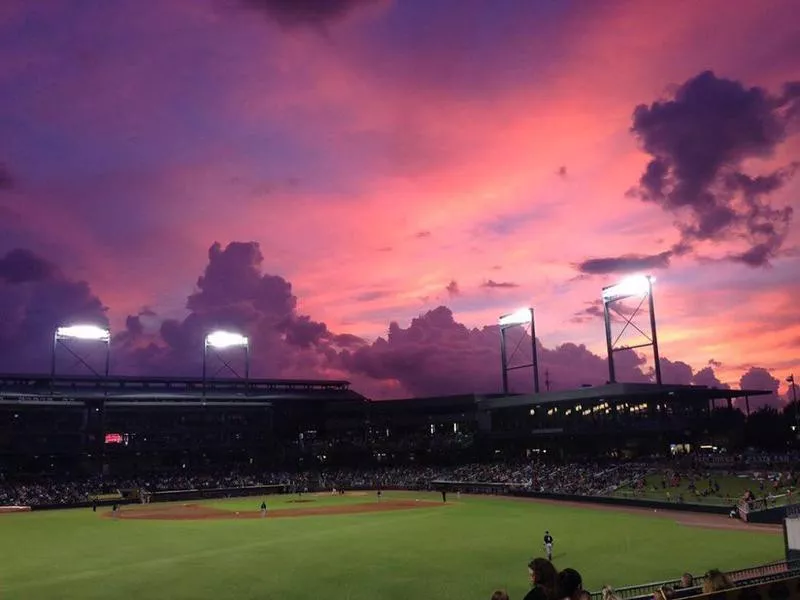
(464, 550)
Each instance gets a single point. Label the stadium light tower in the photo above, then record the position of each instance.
(792, 384)
(638, 286)
(523, 316)
(223, 340)
(90, 333)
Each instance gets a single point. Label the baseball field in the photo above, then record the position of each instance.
(351, 547)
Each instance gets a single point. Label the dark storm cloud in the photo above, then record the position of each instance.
(625, 263)
(453, 289)
(298, 13)
(35, 299)
(6, 180)
(492, 284)
(699, 141)
(231, 294)
(21, 266)
(133, 325)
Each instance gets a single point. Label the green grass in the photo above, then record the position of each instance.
(732, 488)
(465, 550)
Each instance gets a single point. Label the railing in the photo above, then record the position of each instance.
(746, 576)
(793, 511)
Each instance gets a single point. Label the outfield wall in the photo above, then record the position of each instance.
(516, 490)
(177, 496)
(769, 516)
(634, 502)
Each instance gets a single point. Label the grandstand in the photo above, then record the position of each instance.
(127, 424)
(122, 424)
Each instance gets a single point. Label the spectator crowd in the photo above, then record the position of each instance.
(571, 478)
(547, 583)
(586, 478)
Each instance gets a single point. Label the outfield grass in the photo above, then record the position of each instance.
(465, 550)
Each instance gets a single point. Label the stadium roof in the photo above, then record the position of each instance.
(140, 389)
(434, 401)
(620, 391)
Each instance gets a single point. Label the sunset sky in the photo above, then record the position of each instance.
(388, 157)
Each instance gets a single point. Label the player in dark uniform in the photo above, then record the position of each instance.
(444, 496)
(263, 509)
(548, 545)
(94, 504)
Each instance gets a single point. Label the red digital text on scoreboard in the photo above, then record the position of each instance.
(117, 438)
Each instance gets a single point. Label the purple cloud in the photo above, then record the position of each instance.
(625, 263)
(707, 377)
(678, 372)
(22, 266)
(699, 141)
(758, 378)
(593, 310)
(498, 285)
(35, 298)
(299, 13)
(6, 180)
(434, 354)
(453, 289)
(232, 294)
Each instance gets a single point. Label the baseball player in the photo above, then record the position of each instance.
(548, 545)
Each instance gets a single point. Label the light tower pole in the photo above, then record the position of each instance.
(521, 317)
(640, 286)
(221, 340)
(89, 333)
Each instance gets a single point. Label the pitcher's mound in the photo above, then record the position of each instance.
(198, 512)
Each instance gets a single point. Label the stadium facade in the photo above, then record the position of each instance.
(127, 426)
